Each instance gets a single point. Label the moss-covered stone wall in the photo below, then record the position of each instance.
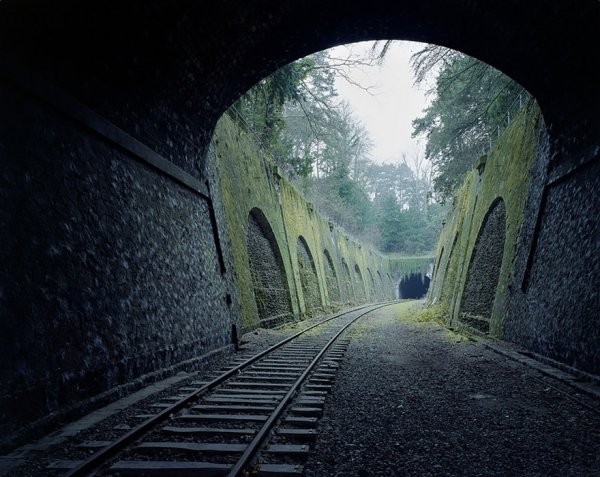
(504, 175)
(309, 245)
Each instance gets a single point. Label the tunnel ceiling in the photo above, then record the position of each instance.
(134, 61)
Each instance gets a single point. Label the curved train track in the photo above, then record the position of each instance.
(256, 418)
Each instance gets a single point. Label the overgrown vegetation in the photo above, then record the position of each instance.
(296, 117)
(471, 103)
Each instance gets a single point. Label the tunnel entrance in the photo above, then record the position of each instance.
(484, 269)
(413, 286)
(271, 290)
(308, 278)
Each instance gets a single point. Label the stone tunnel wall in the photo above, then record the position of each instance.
(109, 269)
(484, 269)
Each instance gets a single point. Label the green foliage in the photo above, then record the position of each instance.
(471, 100)
(296, 118)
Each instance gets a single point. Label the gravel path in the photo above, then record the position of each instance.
(414, 399)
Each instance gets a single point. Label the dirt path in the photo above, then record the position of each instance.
(415, 399)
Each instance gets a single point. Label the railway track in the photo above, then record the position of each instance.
(257, 417)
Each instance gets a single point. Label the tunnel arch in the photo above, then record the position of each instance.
(240, 43)
(308, 277)
(478, 31)
(331, 279)
(483, 273)
(269, 280)
(359, 285)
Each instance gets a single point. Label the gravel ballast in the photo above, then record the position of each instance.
(415, 399)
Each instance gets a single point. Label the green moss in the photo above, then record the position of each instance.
(506, 175)
(405, 265)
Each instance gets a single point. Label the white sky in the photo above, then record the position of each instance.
(387, 112)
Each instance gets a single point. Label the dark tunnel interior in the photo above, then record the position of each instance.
(413, 285)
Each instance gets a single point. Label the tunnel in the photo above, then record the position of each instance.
(413, 286)
(116, 258)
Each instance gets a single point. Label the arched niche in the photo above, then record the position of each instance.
(308, 277)
(269, 279)
(484, 269)
(359, 285)
(331, 279)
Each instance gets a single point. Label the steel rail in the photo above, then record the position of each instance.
(264, 431)
(101, 456)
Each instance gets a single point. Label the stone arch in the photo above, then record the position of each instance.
(215, 34)
(331, 279)
(269, 279)
(479, 292)
(346, 283)
(359, 289)
(371, 287)
(308, 277)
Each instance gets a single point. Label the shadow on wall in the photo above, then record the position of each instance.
(484, 269)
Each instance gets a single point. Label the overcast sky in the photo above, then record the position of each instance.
(387, 112)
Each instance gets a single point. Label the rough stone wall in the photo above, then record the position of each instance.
(108, 269)
(380, 289)
(547, 298)
(484, 269)
(346, 283)
(555, 301)
(371, 288)
(271, 290)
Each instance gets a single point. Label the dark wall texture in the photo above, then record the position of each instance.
(108, 269)
(557, 290)
(271, 290)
